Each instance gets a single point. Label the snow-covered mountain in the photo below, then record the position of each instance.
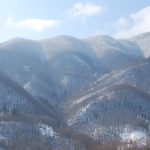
(74, 92)
(66, 62)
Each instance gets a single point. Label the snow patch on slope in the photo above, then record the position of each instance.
(139, 137)
(46, 130)
(78, 114)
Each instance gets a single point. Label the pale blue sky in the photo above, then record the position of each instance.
(38, 19)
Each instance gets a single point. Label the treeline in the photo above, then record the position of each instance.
(37, 143)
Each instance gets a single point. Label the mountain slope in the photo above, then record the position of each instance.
(71, 62)
(107, 105)
(143, 41)
(25, 62)
(113, 54)
(14, 99)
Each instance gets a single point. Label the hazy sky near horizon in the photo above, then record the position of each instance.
(38, 19)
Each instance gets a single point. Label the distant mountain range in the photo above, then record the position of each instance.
(72, 94)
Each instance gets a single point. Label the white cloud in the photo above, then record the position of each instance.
(38, 25)
(85, 10)
(121, 22)
(137, 23)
